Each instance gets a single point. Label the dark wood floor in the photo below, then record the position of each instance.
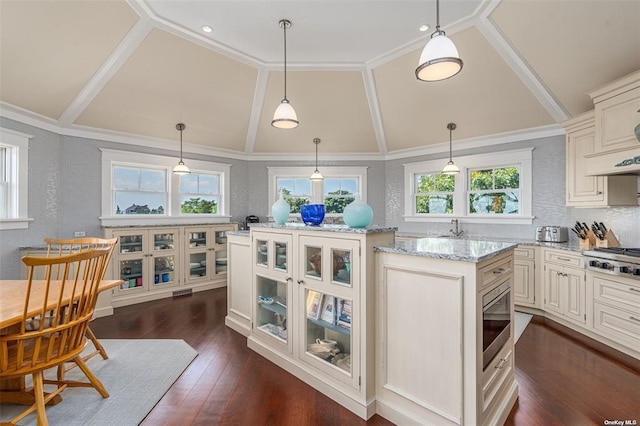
(561, 381)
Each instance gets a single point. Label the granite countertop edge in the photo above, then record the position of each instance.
(411, 249)
(326, 228)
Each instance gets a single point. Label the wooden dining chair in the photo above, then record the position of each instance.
(60, 247)
(68, 302)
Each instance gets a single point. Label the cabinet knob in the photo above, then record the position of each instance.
(300, 281)
(599, 192)
(289, 279)
(502, 361)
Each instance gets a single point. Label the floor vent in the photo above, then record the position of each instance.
(184, 292)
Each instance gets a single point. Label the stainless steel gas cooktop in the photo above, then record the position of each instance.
(614, 260)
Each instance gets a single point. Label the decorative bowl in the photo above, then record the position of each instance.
(312, 214)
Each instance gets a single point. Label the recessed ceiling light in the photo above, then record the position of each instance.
(424, 27)
(207, 28)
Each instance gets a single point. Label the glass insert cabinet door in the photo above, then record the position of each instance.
(164, 259)
(330, 261)
(273, 254)
(271, 308)
(198, 243)
(328, 337)
(132, 265)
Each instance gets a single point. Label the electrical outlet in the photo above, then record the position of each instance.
(79, 234)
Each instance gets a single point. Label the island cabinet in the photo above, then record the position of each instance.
(155, 262)
(439, 302)
(313, 306)
(239, 280)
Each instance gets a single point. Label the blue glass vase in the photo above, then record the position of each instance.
(358, 214)
(312, 214)
(280, 210)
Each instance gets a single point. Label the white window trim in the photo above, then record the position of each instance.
(520, 157)
(18, 144)
(135, 159)
(316, 187)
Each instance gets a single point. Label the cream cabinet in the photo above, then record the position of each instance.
(616, 308)
(312, 306)
(239, 280)
(524, 276)
(616, 114)
(592, 191)
(154, 263)
(205, 252)
(565, 285)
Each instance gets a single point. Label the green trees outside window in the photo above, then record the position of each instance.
(494, 191)
(434, 193)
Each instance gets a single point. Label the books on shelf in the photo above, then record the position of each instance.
(344, 313)
(314, 304)
(329, 310)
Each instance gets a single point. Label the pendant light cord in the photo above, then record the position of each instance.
(180, 127)
(316, 141)
(285, 23)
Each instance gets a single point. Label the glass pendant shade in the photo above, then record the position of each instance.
(285, 116)
(439, 59)
(181, 169)
(450, 169)
(316, 176)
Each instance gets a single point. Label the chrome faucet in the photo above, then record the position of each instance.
(458, 232)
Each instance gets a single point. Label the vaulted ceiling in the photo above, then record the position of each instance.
(129, 70)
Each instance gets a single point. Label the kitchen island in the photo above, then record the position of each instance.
(437, 303)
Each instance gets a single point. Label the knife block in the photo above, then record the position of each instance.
(589, 242)
(610, 240)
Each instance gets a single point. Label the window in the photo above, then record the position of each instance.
(338, 193)
(142, 190)
(490, 188)
(296, 190)
(199, 193)
(14, 179)
(340, 187)
(494, 191)
(139, 190)
(434, 193)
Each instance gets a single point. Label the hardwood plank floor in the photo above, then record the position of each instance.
(561, 380)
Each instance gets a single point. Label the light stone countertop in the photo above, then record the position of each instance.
(457, 249)
(243, 233)
(569, 246)
(325, 228)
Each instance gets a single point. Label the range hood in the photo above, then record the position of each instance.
(620, 162)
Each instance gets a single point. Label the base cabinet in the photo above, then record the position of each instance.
(616, 308)
(312, 307)
(154, 263)
(524, 277)
(565, 286)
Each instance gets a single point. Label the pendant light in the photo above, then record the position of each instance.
(450, 168)
(439, 59)
(316, 176)
(285, 116)
(181, 168)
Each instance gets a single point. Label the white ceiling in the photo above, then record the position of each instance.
(130, 70)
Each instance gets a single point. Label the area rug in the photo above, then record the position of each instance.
(521, 322)
(136, 375)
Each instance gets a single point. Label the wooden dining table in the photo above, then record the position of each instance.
(12, 298)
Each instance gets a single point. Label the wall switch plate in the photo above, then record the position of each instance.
(79, 234)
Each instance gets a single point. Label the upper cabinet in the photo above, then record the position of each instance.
(615, 148)
(616, 111)
(583, 190)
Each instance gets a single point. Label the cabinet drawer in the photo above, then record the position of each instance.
(617, 294)
(617, 324)
(524, 252)
(563, 258)
(496, 374)
(495, 271)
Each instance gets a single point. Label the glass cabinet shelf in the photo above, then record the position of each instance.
(272, 307)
